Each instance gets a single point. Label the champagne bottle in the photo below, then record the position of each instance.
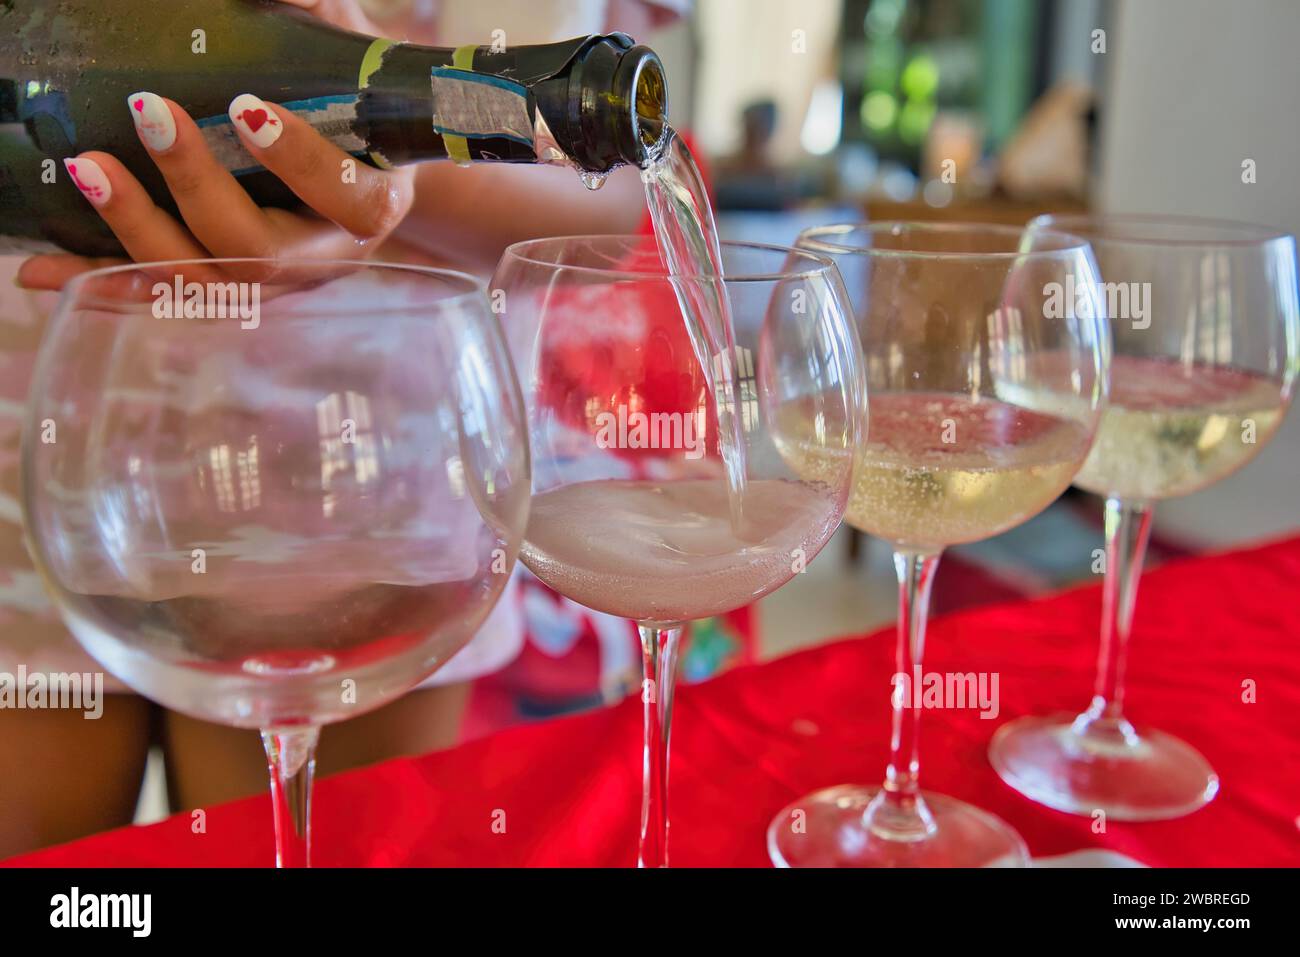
(67, 67)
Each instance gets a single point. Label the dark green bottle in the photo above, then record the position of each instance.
(67, 67)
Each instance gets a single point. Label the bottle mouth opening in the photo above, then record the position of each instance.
(643, 86)
(650, 105)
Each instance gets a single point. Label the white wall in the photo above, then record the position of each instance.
(1193, 88)
(748, 53)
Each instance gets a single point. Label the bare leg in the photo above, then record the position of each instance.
(63, 776)
(208, 764)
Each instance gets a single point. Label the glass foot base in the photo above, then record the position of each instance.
(827, 829)
(1070, 765)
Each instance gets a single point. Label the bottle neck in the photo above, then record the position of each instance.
(592, 102)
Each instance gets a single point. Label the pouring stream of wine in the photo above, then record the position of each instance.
(687, 237)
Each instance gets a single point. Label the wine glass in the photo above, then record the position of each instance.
(274, 495)
(985, 388)
(633, 511)
(1205, 330)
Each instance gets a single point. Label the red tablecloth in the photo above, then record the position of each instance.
(750, 741)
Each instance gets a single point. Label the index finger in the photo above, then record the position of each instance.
(367, 202)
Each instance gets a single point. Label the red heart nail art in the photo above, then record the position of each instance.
(139, 106)
(255, 121)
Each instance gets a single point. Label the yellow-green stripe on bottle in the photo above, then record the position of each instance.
(370, 63)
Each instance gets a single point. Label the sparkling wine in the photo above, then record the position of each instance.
(941, 469)
(1171, 429)
(668, 552)
(687, 236)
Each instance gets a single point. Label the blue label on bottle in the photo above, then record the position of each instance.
(480, 106)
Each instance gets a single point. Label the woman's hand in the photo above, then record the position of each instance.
(219, 219)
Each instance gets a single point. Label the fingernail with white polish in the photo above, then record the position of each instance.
(90, 179)
(255, 120)
(153, 119)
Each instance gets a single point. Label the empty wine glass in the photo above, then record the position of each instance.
(985, 356)
(276, 502)
(633, 513)
(1206, 331)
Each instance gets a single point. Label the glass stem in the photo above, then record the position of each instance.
(1128, 527)
(291, 760)
(659, 645)
(899, 812)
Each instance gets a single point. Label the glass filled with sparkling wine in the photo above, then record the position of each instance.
(659, 398)
(1205, 327)
(275, 496)
(984, 399)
